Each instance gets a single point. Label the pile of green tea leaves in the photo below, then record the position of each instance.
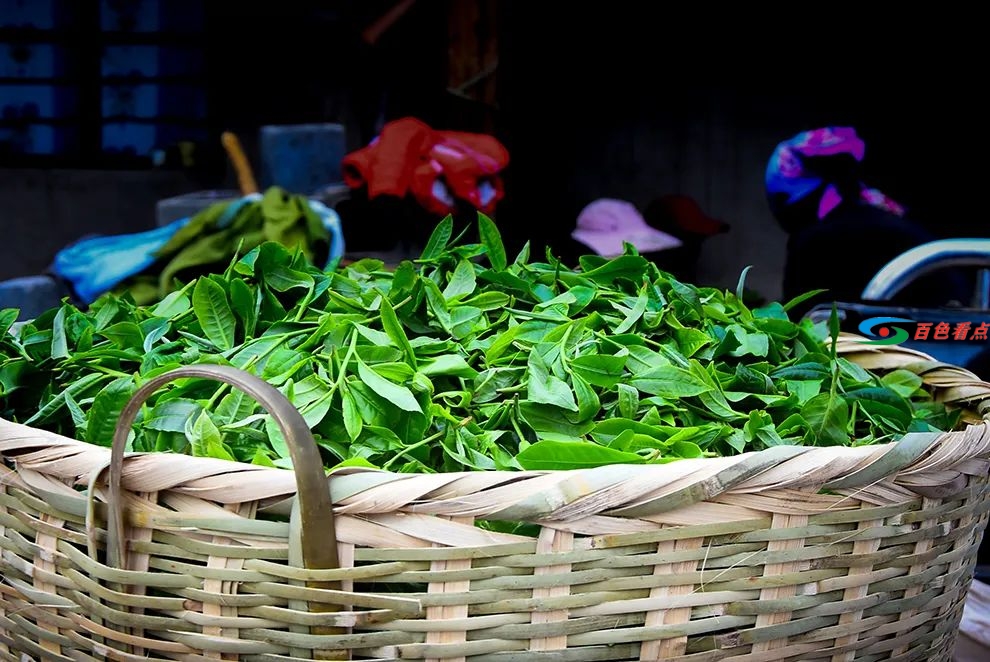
(459, 360)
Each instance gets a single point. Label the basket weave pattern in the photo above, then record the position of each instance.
(860, 553)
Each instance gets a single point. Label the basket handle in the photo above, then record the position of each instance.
(318, 540)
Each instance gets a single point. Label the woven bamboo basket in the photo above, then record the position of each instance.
(859, 553)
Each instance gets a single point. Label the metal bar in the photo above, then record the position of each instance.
(917, 262)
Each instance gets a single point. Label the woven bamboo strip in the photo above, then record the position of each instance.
(922, 547)
(786, 522)
(653, 650)
(551, 541)
(218, 610)
(44, 562)
(449, 614)
(141, 562)
(860, 547)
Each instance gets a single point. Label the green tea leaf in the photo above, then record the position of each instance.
(544, 388)
(399, 396)
(628, 400)
(235, 406)
(760, 428)
(462, 282)
(903, 382)
(564, 455)
(437, 304)
(395, 371)
(376, 337)
(492, 241)
(214, 314)
(125, 335)
(488, 301)
(599, 369)
(883, 402)
(588, 403)
(315, 412)
(77, 414)
(752, 381)
(689, 340)
(352, 417)
(630, 267)
(437, 242)
(308, 390)
(854, 372)
(261, 458)
(7, 318)
(276, 439)
(489, 384)
(173, 305)
(529, 331)
(834, 326)
(246, 304)
(106, 409)
(11, 375)
(77, 390)
(803, 371)
(107, 309)
(206, 440)
(172, 415)
(154, 329)
(803, 390)
(523, 256)
(685, 449)
(755, 344)
(635, 313)
(827, 418)
(713, 398)
(283, 279)
(352, 462)
(642, 359)
(448, 364)
(395, 331)
(373, 355)
(60, 345)
(737, 441)
(282, 365)
(669, 382)
(550, 422)
(741, 285)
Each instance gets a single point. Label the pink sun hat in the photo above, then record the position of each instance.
(605, 224)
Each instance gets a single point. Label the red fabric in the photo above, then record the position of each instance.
(434, 167)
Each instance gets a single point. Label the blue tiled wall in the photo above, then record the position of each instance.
(142, 81)
(22, 102)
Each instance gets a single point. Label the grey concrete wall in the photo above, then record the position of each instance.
(43, 210)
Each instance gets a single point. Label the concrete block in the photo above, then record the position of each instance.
(301, 158)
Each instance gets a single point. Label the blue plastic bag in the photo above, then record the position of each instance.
(97, 265)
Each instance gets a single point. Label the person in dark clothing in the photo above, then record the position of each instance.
(841, 233)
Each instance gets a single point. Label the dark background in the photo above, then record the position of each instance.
(618, 99)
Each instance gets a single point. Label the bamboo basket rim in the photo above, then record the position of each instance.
(927, 464)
